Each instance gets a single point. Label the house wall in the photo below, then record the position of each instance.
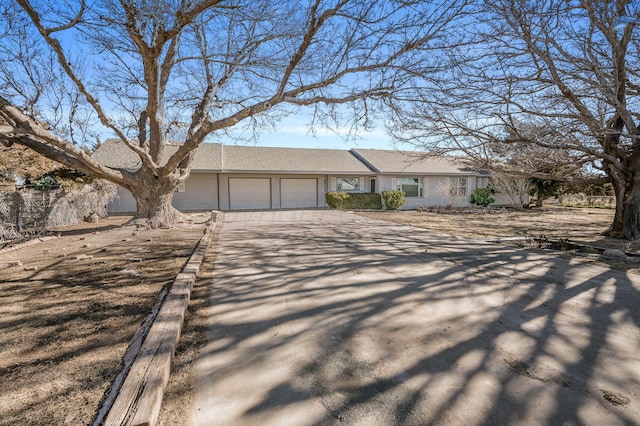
(500, 200)
(435, 191)
(200, 193)
(123, 203)
(503, 201)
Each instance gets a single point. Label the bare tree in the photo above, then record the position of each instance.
(147, 71)
(516, 155)
(555, 64)
(514, 189)
(451, 194)
(515, 152)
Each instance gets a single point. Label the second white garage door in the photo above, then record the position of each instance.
(249, 193)
(298, 193)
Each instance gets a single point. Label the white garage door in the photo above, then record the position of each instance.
(249, 193)
(298, 193)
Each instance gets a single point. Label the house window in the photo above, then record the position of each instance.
(458, 187)
(412, 187)
(348, 184)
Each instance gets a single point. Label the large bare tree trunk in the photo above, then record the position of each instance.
(156, 209)
(626, 220)
(631, 209)
(626, 185)
(615, 230)
(154, 198)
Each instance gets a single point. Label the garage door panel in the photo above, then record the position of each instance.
(298, 193)
(249, 193)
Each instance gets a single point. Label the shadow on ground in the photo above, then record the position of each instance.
(338, 319)
(69, 312)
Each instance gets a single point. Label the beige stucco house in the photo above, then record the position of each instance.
(426, 181)
(229, 177)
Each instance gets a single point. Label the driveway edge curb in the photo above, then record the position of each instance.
(139, 399)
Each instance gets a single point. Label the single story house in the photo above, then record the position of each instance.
(230, 177)
(425, 181)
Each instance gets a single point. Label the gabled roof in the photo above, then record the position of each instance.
(289, 160)
(115, 154)
(207, 157)
(403, 162)
(217, 158)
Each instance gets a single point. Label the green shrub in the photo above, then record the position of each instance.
(365, 200)
(482, 197)
(356, 200)
(336, 199)
(393, 199)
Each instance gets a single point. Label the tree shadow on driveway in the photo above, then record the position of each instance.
(335, 319)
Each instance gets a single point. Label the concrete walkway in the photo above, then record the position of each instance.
(325, 317)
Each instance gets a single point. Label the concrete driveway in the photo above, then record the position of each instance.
(325, 317)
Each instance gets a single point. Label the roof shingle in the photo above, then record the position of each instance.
(214, 157)
(403, 162)
(289, 160)
(115, 154)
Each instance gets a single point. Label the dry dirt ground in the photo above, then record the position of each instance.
(67, 319)
(545, 227)
(579, 224)
(69, 307)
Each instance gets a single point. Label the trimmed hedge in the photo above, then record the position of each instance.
(354, 200)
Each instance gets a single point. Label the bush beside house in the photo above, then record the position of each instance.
(353, 200)
(482, 197)
(393, 199)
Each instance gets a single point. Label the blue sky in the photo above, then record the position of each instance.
(121, 97)
(295, 134)
(293, 131)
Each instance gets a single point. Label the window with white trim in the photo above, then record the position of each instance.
(458, 186)
(348, 184)
(411, 186)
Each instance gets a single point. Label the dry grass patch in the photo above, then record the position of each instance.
(70, 309)
(578, 225)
